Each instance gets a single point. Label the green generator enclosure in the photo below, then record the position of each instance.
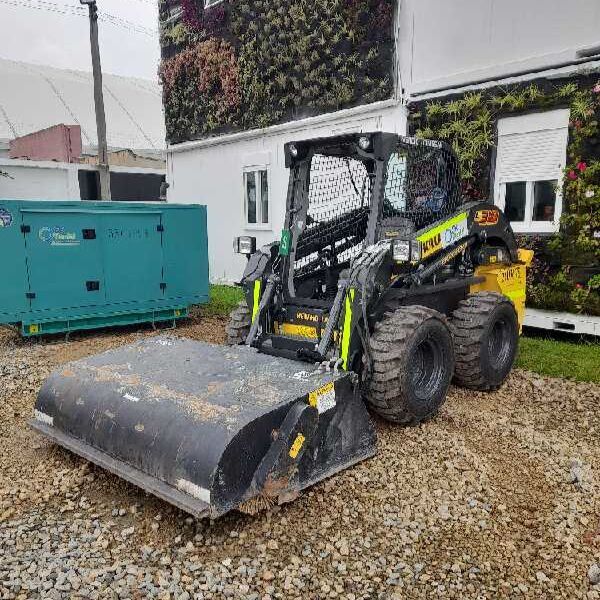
(77, 265)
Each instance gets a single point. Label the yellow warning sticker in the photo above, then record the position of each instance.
(323, 399)
(297, 445)
(34, 329)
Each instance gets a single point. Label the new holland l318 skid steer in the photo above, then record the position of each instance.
(384, 286)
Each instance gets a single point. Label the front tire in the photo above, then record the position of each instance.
(413, 363)
(486, 338)
(238, 327)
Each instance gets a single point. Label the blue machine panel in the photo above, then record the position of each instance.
(80, 265)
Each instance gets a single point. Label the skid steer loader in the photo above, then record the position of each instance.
(384, 287)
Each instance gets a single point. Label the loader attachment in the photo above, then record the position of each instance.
(206, 428)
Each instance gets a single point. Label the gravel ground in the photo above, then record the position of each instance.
(495, 498)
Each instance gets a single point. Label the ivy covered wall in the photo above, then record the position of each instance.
(243, 64)
(566, 271)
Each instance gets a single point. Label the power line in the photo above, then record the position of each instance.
(80, 11)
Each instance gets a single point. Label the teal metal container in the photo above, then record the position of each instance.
(80, 265)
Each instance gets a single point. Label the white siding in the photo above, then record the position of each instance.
(44, 181)
(450, 43)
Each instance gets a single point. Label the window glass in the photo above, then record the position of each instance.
(544, 200)
(395, 185)
(264, 196)
(515, 200)
(250, 185)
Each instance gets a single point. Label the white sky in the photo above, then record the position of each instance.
(62, 41)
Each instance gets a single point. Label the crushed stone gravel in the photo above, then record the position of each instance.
(497, 497)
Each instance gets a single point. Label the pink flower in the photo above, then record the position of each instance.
(572, 175)
(596, 88)
(582, 166)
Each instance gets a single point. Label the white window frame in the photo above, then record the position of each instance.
(528, 225)
(259, 225)
(534, 122)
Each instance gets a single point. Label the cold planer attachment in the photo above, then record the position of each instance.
(206, 428)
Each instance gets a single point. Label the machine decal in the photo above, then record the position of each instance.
(323, 399)
(345, 346)
(454, 253)
(256, 302)
(511, 275)
(432, 245)
(43, 417)
(6, 219)
(293, 329)
(286, 243)
(444, 235)
(487, 217)
(194, 490)
(297, 445)
(58, 236)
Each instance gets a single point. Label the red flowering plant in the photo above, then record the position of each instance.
(201, 88)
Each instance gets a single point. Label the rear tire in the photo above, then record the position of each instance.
(486, 339)
(238, 327)
(413, 363)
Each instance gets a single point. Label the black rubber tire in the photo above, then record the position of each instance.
(238, 327)
(486, 339)
(413, 364)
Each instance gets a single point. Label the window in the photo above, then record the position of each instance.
(208, 3)
(530, 162)
(395, 187)
(256, 198)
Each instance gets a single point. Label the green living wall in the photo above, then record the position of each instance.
(566, 272)
(243, 64)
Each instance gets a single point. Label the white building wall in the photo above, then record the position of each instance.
(452, 43)
(46, 180)
(211, 172)
(30, 180)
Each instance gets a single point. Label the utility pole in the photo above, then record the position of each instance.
(103, 167)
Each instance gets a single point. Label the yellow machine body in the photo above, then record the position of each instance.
(509, 280)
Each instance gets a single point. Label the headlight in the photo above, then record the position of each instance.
(406, 251)
(364, 142)
(401, 250)
(244, 245)
(294, 150)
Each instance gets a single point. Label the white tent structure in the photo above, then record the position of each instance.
(34, 97)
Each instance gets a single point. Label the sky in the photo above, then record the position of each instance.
(50, 37)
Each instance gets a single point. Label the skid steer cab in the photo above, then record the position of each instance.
(384, 286)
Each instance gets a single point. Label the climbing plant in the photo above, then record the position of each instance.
(564, 275)
(291, 59)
